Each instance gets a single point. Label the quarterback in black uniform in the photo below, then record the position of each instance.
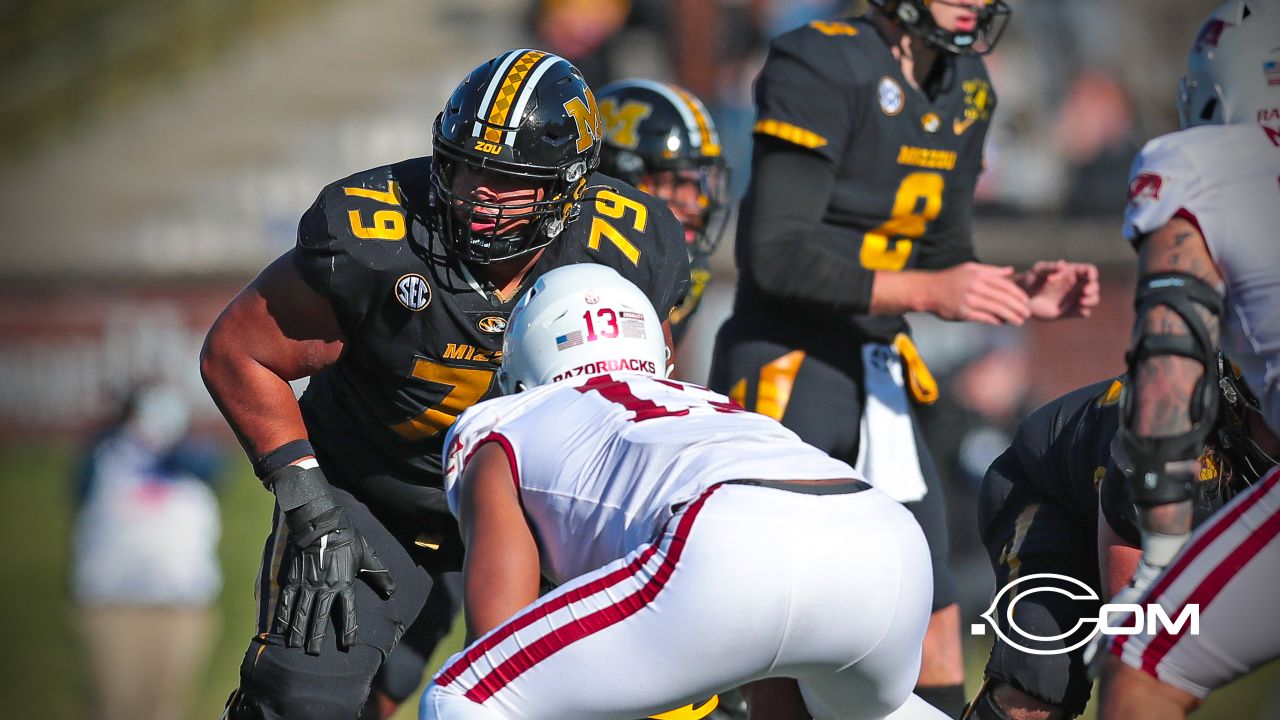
(394, 302)
(660, 138)
(868, 144)
(1038, 512)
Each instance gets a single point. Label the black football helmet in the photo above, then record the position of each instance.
(651, 128)
(524, 114)
(993, 17)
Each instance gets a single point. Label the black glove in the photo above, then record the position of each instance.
(327, 555)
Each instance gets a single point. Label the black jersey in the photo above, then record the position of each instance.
(422, 339)
(682, 314)
(905, 165)
(1060, 453)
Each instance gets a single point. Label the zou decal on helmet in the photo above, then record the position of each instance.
(526, 118)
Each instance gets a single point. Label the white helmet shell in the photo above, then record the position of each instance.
(578, 321)
(1233, 70)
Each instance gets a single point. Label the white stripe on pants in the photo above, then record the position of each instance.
(833, 590)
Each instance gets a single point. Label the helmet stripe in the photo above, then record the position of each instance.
(527, 91)
(682, 107)
(487, 100)
(505, 98)
(710, 141)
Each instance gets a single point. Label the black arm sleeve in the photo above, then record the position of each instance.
(791, 254)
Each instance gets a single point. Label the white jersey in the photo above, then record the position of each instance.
(1226, 180)
(601, 464)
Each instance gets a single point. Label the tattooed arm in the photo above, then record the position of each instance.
(1163, 384)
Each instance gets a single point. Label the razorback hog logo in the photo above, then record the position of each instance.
(1145, 185)
(1209, 35)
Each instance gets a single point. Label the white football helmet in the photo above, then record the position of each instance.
(1233, 70)
(578, 321)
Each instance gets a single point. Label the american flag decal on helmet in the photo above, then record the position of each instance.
(573, 339)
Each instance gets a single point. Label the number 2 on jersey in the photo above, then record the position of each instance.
(917, 203)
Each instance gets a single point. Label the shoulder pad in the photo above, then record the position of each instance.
(1047, 423)
(834, 27)
(355, 230)
(635, 234)
(362, 208)
(1162, 180)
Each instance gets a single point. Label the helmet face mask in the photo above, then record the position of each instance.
(699, 194)
(660, 138)
(1224, 83)
(527, 117)
(917, 17)
(1241, 459)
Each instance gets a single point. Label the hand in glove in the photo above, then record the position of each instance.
(327, 555)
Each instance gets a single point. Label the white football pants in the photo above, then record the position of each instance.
(745, 582)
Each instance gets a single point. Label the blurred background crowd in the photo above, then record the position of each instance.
(154, 155)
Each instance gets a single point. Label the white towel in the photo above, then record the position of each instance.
(887, 453)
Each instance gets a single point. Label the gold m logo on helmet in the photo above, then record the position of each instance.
(621, 123)
(587, 116)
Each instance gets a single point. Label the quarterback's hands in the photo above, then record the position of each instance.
(327, 555)
(1060, 289)
(979, 293)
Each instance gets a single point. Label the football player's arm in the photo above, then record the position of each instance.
(1176, 335)
(276, 330)
(1117, 557)
(501, 572)
(796, 257)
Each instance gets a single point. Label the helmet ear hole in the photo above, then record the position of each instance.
(1209, 110)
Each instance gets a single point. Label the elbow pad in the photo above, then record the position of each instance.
(1185, 295)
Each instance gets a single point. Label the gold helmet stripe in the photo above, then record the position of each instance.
(487, 101)
(678, 100)
(499, 110)
(545, 63)
(710, 141)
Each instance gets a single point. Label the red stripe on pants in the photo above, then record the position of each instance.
(549, 644)
(1211, 586)
(1217, 526)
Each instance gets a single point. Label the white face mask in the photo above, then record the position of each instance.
(161, 416)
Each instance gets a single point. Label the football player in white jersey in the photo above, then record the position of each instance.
(696, 546)
(1204, 213)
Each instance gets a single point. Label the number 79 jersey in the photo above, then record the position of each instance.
(421, 340)
(1225, 179)
(601, 464)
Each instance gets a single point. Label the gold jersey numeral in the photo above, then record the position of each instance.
(917, 203)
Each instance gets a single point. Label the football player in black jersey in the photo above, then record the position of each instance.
(1039, 513)
(660, 138)
(394, 302)
(868, 144)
